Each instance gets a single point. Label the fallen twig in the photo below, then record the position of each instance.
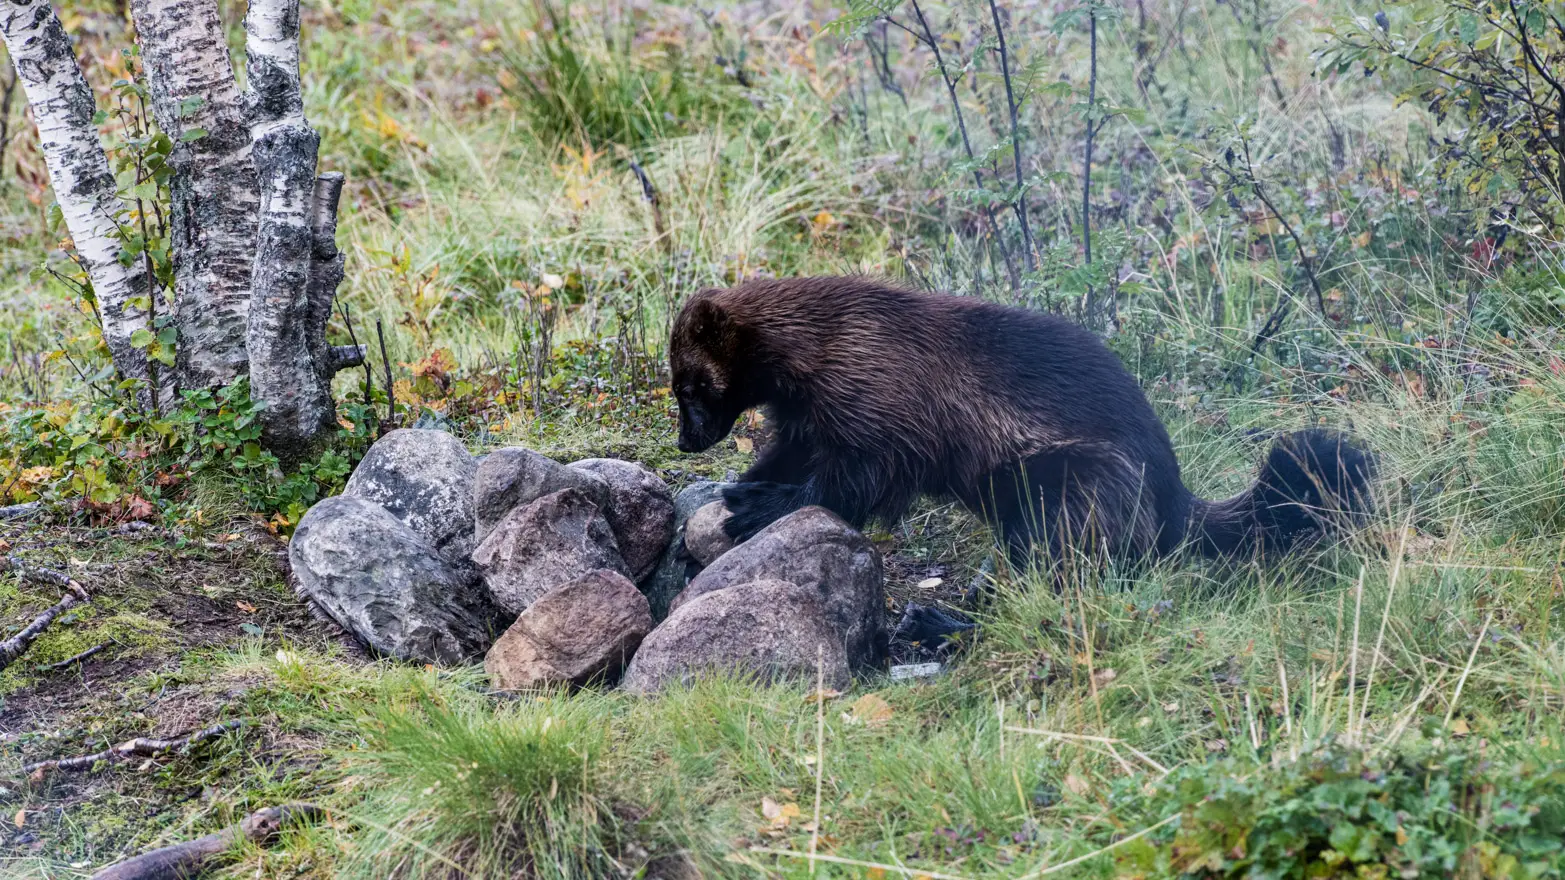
(21, 511)
(17, 645)
(40, 574)
(191, 858)
(141, 746)
(50, 667)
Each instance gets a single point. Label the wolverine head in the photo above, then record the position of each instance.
(705, 354)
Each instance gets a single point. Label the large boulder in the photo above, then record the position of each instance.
(676, 566)
(378, 579)
(574, 634)
(545, 544)
(811, 548)
(705, 536)
(640, 510)
(515, 477)
(770, 629)
(425, 479)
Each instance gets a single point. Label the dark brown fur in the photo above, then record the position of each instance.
(880, 394)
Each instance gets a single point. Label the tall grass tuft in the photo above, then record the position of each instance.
(605, 90)
(464, 790)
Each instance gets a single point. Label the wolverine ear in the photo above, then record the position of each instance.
(708, 320)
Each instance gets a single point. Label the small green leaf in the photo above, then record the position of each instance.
(141, 338)
(193, 134)
(1467, 27)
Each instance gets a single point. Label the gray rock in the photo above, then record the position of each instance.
(641, 511)
(545, 544)
(424, 479)
(670, 577)
(815, 549)
(575, 634)
(770, 629)
(378, 579)
(515, 477)
(704, 535)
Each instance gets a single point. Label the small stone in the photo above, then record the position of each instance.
(368, 571)
(640, 510)
(542, 545)
(772, 630)
(574, 634)
(425, 479)
(515, 477)
(813, 548)
(668, 580)
(704, 535)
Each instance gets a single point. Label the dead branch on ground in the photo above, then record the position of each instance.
(17, 645)
(139, 747)
(193, 857)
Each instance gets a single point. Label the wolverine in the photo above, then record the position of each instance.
(878, 395)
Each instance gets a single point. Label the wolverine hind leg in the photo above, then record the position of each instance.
(1058, 503)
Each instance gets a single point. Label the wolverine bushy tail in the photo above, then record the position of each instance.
(1314, 483)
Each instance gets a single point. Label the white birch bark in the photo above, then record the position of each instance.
(63, 107)
(283, 375)
(215, 199)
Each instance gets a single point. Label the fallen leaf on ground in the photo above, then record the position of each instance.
(869, 710)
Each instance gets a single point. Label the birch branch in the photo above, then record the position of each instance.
(141, 746)
(193, 857)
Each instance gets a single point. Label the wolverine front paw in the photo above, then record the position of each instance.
(754, 506)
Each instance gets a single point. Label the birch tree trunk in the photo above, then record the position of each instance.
(215, 201)
(63, 107)
(254, 229)
(284, 372)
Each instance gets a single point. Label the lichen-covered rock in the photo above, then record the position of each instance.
(371, 573)
(704, 535)
(640, 510)
(515, 477)
(574, 634)
(676, 565)
(769, 629)
(425, 479)
(545, 544)
(811, 548)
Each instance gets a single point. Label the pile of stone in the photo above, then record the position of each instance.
(592, 572)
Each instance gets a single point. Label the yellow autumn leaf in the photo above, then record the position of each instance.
(869, 710)
(744, 444)
(1362, 241)
(779, 814)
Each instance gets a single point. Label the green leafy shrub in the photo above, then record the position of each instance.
(1493, 69)
(1428, 810)
(107, 457)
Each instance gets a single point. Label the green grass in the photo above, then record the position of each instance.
(1406, 687)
